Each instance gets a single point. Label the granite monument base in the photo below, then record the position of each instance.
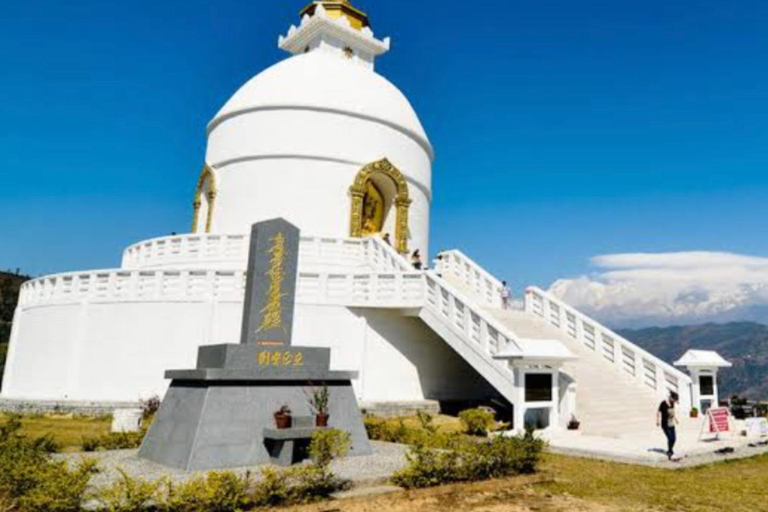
(216, 416)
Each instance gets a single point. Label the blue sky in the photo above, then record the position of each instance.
(563, 130)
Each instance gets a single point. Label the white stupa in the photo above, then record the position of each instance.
(327, 143)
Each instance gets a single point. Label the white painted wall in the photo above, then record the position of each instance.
(120, 351)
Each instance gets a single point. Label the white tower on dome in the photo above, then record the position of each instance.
(322, 140)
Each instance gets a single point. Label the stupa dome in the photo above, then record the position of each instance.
(326, 82)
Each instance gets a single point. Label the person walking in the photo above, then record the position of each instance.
(667, 419)
(506, 296)
(416, 260)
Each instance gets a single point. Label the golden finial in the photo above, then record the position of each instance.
(338, 8)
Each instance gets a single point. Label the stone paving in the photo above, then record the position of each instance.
(650, 448)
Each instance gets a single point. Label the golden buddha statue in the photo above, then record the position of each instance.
(373, 210)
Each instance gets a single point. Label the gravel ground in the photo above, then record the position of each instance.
(361, 470)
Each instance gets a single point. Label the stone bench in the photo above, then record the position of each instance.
(288, 446)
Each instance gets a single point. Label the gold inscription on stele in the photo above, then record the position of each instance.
(286, 358)
(272, 313)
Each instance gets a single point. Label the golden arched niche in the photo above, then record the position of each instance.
(363, 216)
(205, 198)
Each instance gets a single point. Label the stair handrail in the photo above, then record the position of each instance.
(397, 259)
(577, 331)
(472, 308)
(456, 263)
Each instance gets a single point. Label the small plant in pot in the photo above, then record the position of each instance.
(318, 402)
(694, 412)
(283, 417)
(574, 424)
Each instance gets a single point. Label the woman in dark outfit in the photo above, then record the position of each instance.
(416, 259)
(666, 419)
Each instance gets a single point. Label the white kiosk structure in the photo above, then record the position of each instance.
(703, 366)
(324, 141)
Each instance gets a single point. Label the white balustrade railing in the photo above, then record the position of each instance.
(614, 349)
(381, 256)
(375, 289)
(455, 265)
(392, 284)
(477, 326)
(192, 249)
(185, 248)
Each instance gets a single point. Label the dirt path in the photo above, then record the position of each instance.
(506, 495)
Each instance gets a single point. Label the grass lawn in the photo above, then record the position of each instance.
(67, 430)
(568, 484)
(571, 483)
(563, 483)
(739, 485)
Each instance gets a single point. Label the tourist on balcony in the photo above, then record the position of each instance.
(506, 296)
(667, 419)
(416, 260)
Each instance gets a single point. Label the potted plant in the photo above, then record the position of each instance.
(573, 424)
(318, 402)
(694, 412)
(283, 417)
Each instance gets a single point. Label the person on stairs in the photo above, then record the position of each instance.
(667, 419)
(416, 260)
(506, 296)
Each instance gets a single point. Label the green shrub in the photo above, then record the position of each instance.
(477, 422)
(380, 429)
(127, 494)
(327, 445)
(310, 483)
(218, 491)
(113, 441)
(470, 461)
(299, 484)
(31, 480)
(272, 489)
(428, 467)
(57, 488)
(426, 421)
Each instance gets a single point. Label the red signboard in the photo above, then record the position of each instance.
(718, 420)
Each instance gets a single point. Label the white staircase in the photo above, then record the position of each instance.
(619, 385)
(608, 403)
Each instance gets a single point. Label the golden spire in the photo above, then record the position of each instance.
(338, 8)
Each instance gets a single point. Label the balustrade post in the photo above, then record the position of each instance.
(467, 322)
(661, 380)
(111, 285)
(373, 288)
(563, 316)
(618, 355)
(210, 285)
(578, 329)
(485, 335)
(158, 278)
(184, 247)
(184, 282)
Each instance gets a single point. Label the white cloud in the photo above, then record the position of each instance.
(639, 289)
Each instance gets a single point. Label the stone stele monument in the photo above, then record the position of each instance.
(221, 414)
